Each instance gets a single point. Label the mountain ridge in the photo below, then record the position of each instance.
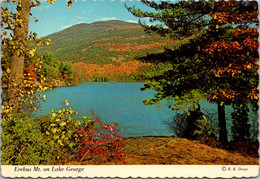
(104, 42)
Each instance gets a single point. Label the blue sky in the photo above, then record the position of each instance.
(56, 17)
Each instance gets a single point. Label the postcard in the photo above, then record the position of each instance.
(111, 88)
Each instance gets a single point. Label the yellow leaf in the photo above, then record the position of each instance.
(8, 70)
(53, 114)
(62, 124)
(32, 51)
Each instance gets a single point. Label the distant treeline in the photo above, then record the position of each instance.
(133, 70)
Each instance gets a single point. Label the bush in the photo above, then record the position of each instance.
(100, 139)
(192, 124)
(79, 138)
(23, 143)
(57, 138)
(60, 132)
(205, 130)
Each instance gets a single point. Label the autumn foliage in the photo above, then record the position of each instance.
(101, 139)
(29, 73)
(90, 71)
(235, 57)
(223, 15)
(129, 47)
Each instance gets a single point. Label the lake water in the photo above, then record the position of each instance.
(117, 102)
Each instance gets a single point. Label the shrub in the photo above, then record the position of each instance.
(205, 130)
(178, 124)
(192, 124)
(60, 132)
(23, 143)
(78, 138)
(57, 138)
(98, 138)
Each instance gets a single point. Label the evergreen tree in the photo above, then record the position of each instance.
(240, 127)
(220, 61)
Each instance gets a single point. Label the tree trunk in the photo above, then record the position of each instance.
(17, 60)
(222, 123)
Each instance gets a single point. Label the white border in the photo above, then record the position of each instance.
(125, 171)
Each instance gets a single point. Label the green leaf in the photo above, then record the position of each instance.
(55, 137)
(51, 142)
(71, 145)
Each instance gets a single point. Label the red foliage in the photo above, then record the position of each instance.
(29, 73)
(240, 55)
(113, 70)
(223, 15)
(246, 33)
(101, 139)
(235, 57)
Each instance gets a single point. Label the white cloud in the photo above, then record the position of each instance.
(70, 25)
(80, 22)
(147, 21)
(79, 17)
(132, 21)
(66, 26)
(115, 18)
(107, 18)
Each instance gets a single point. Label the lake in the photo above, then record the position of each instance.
(117, 102)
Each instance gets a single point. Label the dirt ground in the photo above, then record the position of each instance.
(174, 151)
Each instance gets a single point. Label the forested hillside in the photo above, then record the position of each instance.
(108, 50)
(104, 42)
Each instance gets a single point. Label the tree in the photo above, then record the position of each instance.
(18, 24)
(66, 68)
(16, 41)
(220, 61)
(240, 127)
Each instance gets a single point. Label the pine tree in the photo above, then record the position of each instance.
(240, 127)
(218, 63)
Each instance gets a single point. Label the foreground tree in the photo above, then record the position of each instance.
(220, 61)
(16, 41)
(18, 24)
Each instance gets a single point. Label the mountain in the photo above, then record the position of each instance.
(104, 42)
